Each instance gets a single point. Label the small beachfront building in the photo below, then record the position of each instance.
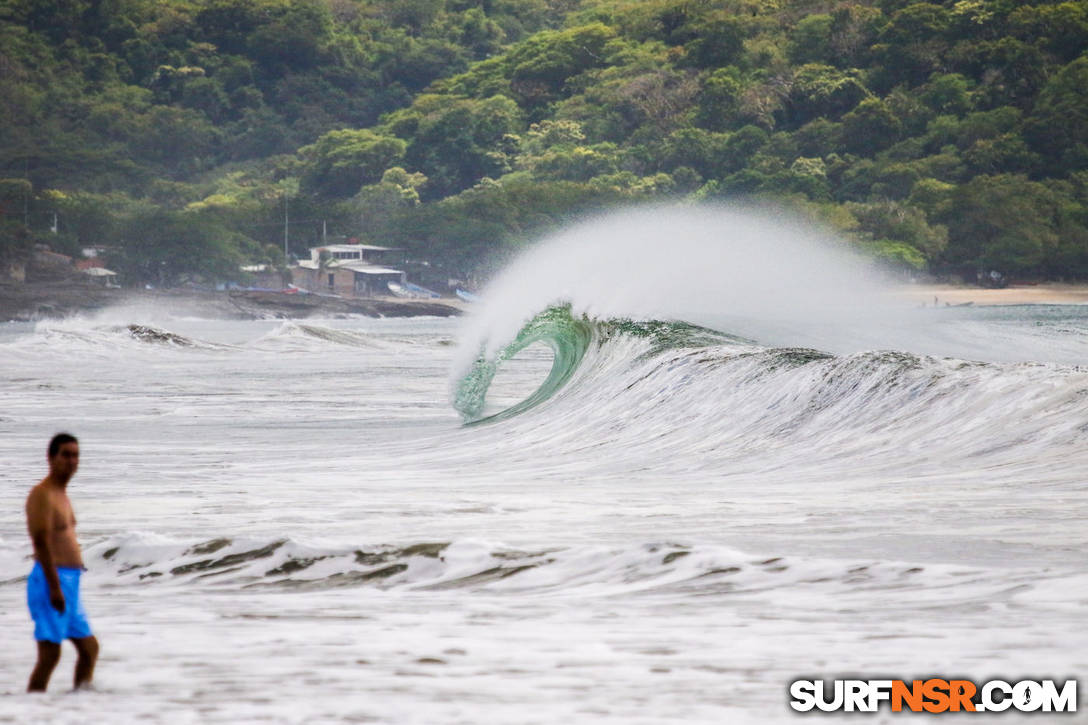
(367, 253)
(348, 270)
(372, 280)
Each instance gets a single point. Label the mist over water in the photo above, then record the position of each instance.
(698, 264)
(758, 273)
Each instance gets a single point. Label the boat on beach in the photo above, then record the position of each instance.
(407, 290)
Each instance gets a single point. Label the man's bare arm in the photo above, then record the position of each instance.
(39, 514)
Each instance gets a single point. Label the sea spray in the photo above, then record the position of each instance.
(755, 273)
(664, 265)
(686, 263)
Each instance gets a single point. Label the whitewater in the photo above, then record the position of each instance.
(675, 460)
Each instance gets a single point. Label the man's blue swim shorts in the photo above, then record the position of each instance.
(49, 624)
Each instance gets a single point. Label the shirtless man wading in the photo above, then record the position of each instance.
(52, 590)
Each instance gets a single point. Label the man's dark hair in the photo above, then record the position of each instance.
(59, 440)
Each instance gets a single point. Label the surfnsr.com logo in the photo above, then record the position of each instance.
(933, 695)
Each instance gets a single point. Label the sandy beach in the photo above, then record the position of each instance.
(1050, 293)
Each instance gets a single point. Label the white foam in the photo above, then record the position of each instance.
(864, 538)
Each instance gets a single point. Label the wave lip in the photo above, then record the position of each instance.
(570, 338)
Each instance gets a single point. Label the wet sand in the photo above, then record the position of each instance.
(1050, 293)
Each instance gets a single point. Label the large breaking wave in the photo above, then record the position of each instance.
(808, 367)
(689, 391)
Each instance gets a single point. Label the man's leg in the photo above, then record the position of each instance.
(48, 657)
(88, 655)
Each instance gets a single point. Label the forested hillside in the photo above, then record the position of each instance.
(951, 137)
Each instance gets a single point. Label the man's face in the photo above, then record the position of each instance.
(64, 464)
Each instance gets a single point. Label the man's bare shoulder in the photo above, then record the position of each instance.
(40, 497)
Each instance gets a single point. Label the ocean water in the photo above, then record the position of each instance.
(599, 514)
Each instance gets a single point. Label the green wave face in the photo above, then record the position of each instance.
(569, 338)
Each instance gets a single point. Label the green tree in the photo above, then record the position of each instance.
(854, 30)
(229, 23)
(719, 41)
(16, 239)
(912, 45)
(578, 163)
(870, 127)
(720, 99)
(1003, 222)
(540, 66)
(899, 222)
(822, 90)
(1058, 127)
(810, 40)
(167, 247)
(948, 93)
(375, 204)
(341, 162)
(459, 142)
(295, 40)
(1012, 72)
(1061, 28)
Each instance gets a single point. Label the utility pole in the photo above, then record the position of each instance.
(324, 231)
(286, 260)
(26, 193)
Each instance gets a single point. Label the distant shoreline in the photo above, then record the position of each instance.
(1048, 293)
(36, 301)
(53, 300)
